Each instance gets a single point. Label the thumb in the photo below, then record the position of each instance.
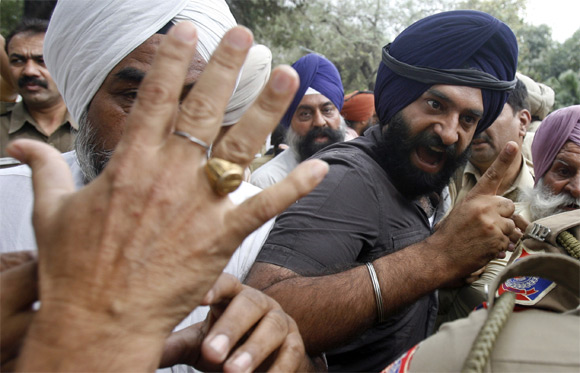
(491, 180)
(51, 176)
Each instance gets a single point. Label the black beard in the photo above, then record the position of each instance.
(307, 146)
(408, 179)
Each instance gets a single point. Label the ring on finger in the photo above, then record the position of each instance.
(224, 176)
(193, 139)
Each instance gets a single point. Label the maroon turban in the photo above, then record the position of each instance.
(358, 106)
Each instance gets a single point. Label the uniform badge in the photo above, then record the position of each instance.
(401, 365)
(529, 290)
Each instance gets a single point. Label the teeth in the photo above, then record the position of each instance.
(435, 149)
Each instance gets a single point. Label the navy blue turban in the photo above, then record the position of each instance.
(463, 47)
(320, 74)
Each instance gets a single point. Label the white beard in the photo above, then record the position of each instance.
(543, 202)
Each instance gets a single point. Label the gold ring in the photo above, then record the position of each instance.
(224, 176)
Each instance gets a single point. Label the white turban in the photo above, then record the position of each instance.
(255, 74)
(87, 39)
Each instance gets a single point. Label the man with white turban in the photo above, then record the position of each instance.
(99, 52)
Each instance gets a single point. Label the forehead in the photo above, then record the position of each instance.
(26, 42)
(314, 100)
(141, 58)
(569, 153)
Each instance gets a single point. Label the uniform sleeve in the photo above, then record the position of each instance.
(326, 231)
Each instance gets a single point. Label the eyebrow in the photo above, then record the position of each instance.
(136, 76)
(34, 56)
(130, 74)
(444, 97)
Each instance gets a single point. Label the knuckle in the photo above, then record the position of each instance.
(198, 111)
(237, 150)
(156, 93)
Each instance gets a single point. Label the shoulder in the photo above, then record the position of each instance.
(274, 170)
(6, 108)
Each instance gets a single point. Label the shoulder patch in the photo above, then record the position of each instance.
(529, 290)
(401, 365)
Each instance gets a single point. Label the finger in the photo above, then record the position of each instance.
(291, 355)
(19, 288)
(152, 115)
(225, 288)
(14, 259)
(268, 336)
(492, 178)
(13, 333)
(255, 211)
(241, 315)
(202, 111)
(244, 139)
(521, 222)
(51, 176)
(182, 347)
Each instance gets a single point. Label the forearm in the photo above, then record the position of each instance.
(404, 276)
(69, 339)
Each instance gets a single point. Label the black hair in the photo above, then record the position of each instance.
(31, 26)
(518, 98)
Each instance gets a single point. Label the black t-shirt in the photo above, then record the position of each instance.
(354, 216)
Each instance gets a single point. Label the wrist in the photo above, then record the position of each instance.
(65, 337)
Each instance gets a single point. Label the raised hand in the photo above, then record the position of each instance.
(480, 227)
(126, 258)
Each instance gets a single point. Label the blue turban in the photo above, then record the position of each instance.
(320, 74)
(464, 40)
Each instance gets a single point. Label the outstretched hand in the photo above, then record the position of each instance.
(131, 254)
(480, 228)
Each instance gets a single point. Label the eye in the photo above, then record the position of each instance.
(16, 61)
(563, 172)
(329, 110)
(435, 104)
(40, 61)
(469, 120)
(304, 115)
(130, 95)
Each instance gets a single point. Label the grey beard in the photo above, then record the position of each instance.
(92, 159)
(292, 139)
(543, 202)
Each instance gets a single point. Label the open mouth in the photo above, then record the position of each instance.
(320, 139)
(430, 158)
(570, 207)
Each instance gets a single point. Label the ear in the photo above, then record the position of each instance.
(525, 119)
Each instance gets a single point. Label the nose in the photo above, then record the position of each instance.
(573, 186)
(319, 119)
(31, 68)
(447, 129)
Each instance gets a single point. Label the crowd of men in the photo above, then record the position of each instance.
(363, 246)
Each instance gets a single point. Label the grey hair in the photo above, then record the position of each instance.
(92, 159)
(543, 202)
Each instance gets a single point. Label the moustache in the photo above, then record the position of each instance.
(24, 80)
(427, 140)
(483, 137)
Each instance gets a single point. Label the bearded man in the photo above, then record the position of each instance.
(556, 156)
(313, 119)
(356, 262)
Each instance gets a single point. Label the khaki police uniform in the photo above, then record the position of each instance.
(17, 123)
(459, 302)
(542, 334)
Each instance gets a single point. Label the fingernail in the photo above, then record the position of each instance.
(220, 344)
(281, 82)
(184, 31)
(511, 246)
(319, 169)
(511, 148)
(242, 362)
(239, 39)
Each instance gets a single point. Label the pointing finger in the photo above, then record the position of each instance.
(491, 180)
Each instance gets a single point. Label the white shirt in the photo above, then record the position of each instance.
(275, 170)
